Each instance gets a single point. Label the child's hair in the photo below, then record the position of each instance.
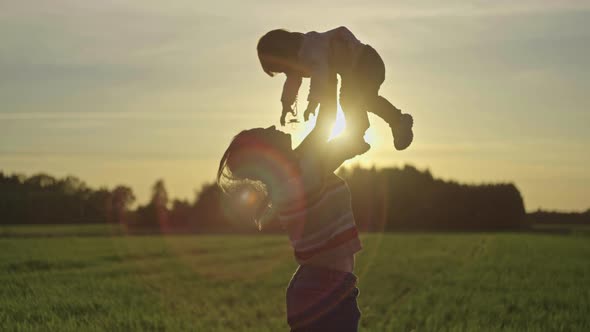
(277, 49)
(250, 169)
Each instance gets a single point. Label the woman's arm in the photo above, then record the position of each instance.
(339, 150)
(329, 154)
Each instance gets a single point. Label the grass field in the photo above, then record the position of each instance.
(420, 282)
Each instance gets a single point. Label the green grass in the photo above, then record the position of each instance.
(61, 230)
(419, 282)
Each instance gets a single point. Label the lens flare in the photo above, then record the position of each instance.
(258, 170)
(248, 197)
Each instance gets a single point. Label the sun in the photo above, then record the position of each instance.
(340, 125)
(337, 129)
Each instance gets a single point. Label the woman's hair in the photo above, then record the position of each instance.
(278, 49)
(251, 169)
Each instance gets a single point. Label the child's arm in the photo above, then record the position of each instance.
(290, 90)
(311, 107)
(317, 139)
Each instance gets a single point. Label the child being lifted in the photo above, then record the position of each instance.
(321, 56)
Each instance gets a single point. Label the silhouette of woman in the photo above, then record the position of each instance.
(298, 188)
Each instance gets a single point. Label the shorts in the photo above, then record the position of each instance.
(320, 299)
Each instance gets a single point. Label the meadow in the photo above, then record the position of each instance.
(103, 280)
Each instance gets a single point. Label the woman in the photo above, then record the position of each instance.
(298, 187)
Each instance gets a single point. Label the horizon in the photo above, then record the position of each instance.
(497, 90)
(193, 200)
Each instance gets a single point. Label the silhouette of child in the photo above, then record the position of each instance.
(321, 56)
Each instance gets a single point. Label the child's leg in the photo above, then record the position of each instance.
(400, 123)
(354, 108)
(370, 73)
(357, 120)
(381, 107)
(355, 93)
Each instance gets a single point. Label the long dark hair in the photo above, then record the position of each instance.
(278, 49)
(251, 170)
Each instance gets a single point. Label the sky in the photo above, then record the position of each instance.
(127, 92)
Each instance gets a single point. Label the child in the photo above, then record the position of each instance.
(321, 56)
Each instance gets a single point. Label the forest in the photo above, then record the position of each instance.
(385, 199)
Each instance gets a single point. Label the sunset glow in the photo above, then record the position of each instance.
(160, 90)
(301, 130)
(339, 125)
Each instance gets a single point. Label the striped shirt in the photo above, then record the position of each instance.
(316, 211)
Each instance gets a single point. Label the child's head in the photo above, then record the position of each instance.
(277, 51)
(256, 163)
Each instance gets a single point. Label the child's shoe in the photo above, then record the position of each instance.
(402, 132)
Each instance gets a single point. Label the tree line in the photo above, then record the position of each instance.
(559, 218)
(44, 199)
(382, 199)
(410, 199)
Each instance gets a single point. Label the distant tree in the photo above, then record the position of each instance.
(40, 181)
(122, 198)
(99, 206)
(209, 211)
(159, 194)
(155, 214)
(559, 217)
(71, 185)
(181, 214)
